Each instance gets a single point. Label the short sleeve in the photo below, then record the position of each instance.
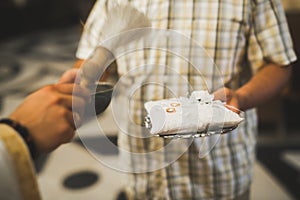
(269, 39)
(92, 30)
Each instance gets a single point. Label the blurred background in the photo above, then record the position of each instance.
(38, 40)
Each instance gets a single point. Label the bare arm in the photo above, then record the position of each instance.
(268, 82)
(265, 84)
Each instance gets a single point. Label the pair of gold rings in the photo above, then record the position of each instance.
(172, 109)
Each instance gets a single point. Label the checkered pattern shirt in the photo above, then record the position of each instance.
(240, 36)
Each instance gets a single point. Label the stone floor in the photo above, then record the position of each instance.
(31, 61)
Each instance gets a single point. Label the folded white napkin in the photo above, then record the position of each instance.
(197, 113)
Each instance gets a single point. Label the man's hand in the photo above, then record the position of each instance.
(47, 113)
(230, 97)
(265, 84)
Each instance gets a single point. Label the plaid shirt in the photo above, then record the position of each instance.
(240, 37)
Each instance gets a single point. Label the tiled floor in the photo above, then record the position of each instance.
(41, 59)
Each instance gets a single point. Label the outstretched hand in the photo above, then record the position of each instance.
(48, 112)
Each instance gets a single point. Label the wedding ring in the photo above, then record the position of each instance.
(171, 110)
(175, 104)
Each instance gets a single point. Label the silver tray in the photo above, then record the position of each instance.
(201, 134)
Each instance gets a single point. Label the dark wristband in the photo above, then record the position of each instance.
(24, 133)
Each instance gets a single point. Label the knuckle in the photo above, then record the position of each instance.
(54, 99)
(66, 133)
(49, 88)
(63, 113)
(64, 130)
(52, 96)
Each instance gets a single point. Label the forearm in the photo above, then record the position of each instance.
(268, 82)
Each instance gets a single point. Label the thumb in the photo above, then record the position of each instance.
(69, 76)
(221, 94)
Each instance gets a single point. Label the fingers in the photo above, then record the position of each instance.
(70, 96)
(233, 108)
(75, 100)
(229, 96)
(72, 118)
(78, 106)
(52, 114)
(72, 103)
(221, 94)
(73, 89)
(69, 76)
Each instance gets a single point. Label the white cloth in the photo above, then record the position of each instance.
(190, 115)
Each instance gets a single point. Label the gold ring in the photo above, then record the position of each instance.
(175, 104)
(171, 110)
